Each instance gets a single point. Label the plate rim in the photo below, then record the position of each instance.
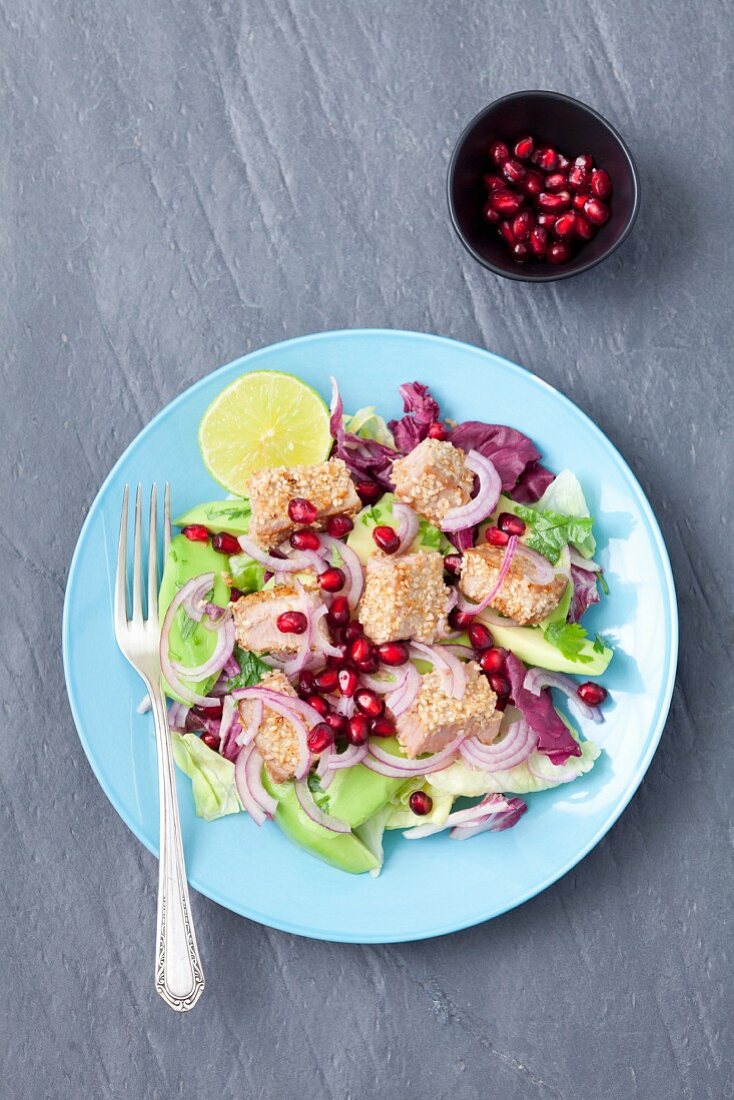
(657, 726)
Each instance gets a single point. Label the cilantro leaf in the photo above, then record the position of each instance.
(372, 515)
(549, 532)
(603, 582)
(599, 646)
(252, 670)
(428, 535)
(569, 638)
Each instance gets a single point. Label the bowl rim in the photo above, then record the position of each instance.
(553, 276)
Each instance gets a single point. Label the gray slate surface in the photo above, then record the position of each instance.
(185, 182)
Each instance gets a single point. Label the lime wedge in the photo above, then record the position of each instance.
(263, 419)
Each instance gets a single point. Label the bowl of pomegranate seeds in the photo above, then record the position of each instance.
(541, 187)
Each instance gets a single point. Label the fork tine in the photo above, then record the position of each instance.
(153, 558)
(120, 576)
(137, 559)
(167, 520)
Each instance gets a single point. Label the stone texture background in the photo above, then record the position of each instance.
(183, 182)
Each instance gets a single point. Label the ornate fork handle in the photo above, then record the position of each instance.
(179, 978)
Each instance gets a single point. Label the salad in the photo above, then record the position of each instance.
(356, 640)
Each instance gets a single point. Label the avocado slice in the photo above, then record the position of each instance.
(355, 794)
(360, 537)
(343, 850)
(232, 516)
(191, 643)
(531, 646)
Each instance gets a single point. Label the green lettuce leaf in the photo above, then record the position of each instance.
(247, 574)
(550, 532)
(402, 817)
(565, 495)
(369, 425)
(212, 777)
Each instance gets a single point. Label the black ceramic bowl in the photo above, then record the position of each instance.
(570, 127)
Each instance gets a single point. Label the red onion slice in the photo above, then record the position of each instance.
(177, 714)
(247, 736)
(383, 686)
(167, 668)
(291, 709)
(222, 652)
(544, 571)
(228, 729)
(538, 678)
(295, 664)
(315, 813)
(484, 503)
(407, 525)
(448, 666)
(378, 760)
(195, 602)
(248, 780)
(402, 697)
(294, 564)
(475, 608)
(514, 748)
(351, 756)
(351, 565)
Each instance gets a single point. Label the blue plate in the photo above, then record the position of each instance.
(435, 885)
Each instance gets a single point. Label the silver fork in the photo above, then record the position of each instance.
(179, 978)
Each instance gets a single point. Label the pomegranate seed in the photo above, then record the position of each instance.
(452, 564)
(520, 251)
(319, 704)
(358, 729)
(546, 158)
(584, 229)
(493, 183)
(558, 253)
(460, 620)
(305, 539)
(597, 212)
(479, 636)
(492, 659)
(235, 594)
(338, 723)
(292, 622)
(420, 803)
(513, 171)
(437, 430)
(301, 510)
(332, 580)
(348, 682)
(556, 181)
(393, 654)
(360, 650)
(506, 202)
(386, 538)
(382, 727)
(533, 182)
(510, 524)
(196, 532)
(524, 147)
(338, 613)
(563, 163)
(368, 491)
(501, 702)
(505, 230)
(578, 178)
(565, 225)
(579, 201)
(547, 221)
(499, 684)
(226, 544)
(522, 224)
(306, 682)
(490, 214)
(339, 526)
(338, 634)
(354, 630)
(601, 184)
(592, 694)
(320, 737)
(554, 204)
(498, 152)
(211, 741)
(369, 702)
(585, 161)
(337, 660)
(368, 664)
(495, 537)
(538, 241)
(327, 680)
